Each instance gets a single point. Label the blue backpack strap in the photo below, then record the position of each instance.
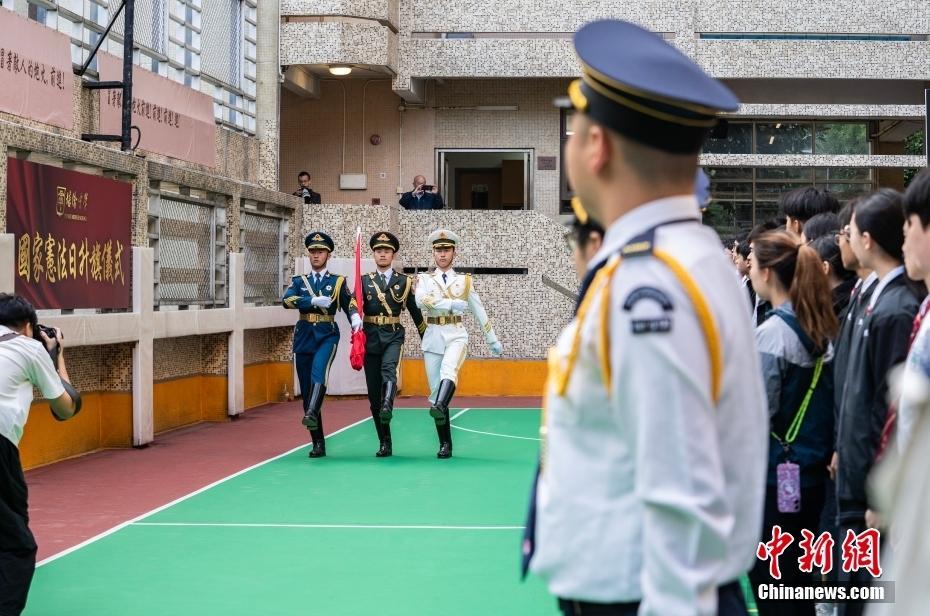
(792, 321)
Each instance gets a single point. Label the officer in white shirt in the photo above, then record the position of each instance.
(25, 363)
(650, 492)
(444, 296)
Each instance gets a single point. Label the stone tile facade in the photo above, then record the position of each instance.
(100, 368)
(527, 314)
(176, 358)
(268, 345)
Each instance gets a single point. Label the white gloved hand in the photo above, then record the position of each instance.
(356, 322)
(497, 349)
(322, 301)
(459, 305)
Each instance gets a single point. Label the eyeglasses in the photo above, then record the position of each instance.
(844, 233)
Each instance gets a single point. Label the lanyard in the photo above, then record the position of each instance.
(795, 426)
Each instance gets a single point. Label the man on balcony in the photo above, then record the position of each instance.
(423, 196)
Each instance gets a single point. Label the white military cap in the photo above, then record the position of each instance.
(443, 238)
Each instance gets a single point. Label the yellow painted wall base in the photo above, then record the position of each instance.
(265, 382)
(188, 400)
(482, 377)
(105, 421)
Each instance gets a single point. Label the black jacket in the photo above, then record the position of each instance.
(877, 343)
(314, 197)
(427, 201)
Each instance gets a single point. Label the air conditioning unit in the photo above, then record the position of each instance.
(353, 181)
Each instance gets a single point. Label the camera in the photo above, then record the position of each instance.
(52, 333)
(428, 187)
(305, 193)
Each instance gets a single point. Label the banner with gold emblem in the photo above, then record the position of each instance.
(72, 233)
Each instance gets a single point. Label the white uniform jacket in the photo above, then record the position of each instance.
(651, 486)
(434, 299)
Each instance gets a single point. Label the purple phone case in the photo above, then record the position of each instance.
(789, 487)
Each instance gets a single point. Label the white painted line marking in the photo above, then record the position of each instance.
(346, 526)
(123, 525)
(522, 438)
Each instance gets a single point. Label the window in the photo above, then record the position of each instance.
(774, 137)
(565, 191)
(743, 197)
(485, 179)
(784, 138)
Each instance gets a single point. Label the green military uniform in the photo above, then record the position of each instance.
(385, 295)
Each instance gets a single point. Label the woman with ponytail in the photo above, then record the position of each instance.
(796, 350)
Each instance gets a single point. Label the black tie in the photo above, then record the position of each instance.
(443, 279)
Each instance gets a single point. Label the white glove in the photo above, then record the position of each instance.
(497, 349)
(322, 301)
(356, 322)
(459, 305)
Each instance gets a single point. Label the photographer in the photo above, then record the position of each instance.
(423, 196)
(304, 190)
(25, 362)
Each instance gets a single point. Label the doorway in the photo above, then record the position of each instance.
(485, 179)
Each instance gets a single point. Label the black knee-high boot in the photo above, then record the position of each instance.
(388, 391)
(313, 419)
(440, 413)
(313, 404)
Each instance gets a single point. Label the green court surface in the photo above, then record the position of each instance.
(345, 535)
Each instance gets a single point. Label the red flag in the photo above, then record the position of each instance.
(357, 353)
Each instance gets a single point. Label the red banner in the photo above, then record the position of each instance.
(174, 120)
(35, 71)
(72, 233)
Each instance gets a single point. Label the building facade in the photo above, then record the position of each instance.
(832, 92)
(203, 336)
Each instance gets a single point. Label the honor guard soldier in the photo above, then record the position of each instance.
(654, 431)
(444, 296)
(318, 296)
(386, 294)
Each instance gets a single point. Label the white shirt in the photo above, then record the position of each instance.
(649, 491)
(434, 298)
(24, 363)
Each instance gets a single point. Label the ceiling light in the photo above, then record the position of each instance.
(340, 70)
(771, 139)
(778, 125)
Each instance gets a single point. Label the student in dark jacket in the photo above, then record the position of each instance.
(795, 348)
(878, 343)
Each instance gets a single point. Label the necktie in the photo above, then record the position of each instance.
(443, 279)
(316, 282)
(384, 280)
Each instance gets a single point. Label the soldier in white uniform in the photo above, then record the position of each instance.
(654, 435)
(444, 296)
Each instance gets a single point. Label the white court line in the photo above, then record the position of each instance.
(459, 414)
(129, 522)
(123, 525)
(349, 526)
(522, 438)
